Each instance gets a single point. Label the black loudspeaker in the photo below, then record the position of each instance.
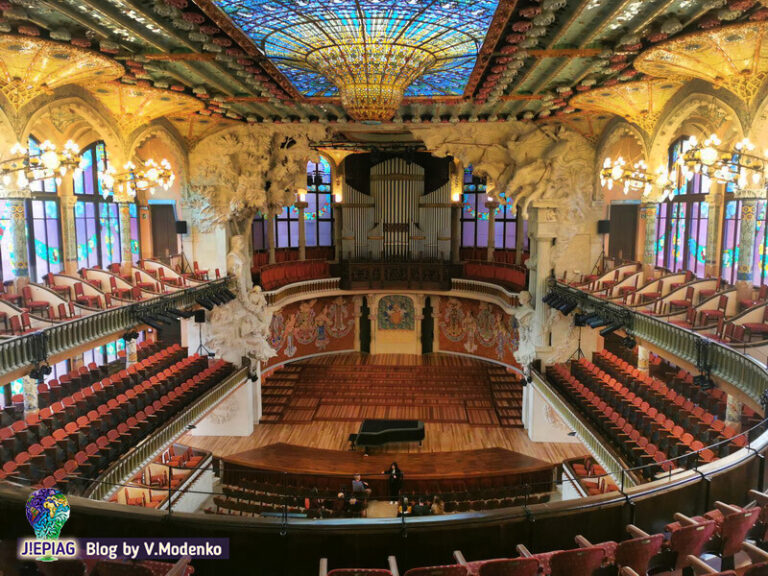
(199, 316)
(181, 226)
(603, 226)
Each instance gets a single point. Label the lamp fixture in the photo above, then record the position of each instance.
(134, 179)
(27, 165)
(632, 178)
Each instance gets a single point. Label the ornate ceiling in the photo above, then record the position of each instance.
(286, 60)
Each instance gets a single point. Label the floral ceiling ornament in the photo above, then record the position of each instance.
(30, 67)
(136, 106)
(734, 57)
(639, 102)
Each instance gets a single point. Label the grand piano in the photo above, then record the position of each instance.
(380, 432)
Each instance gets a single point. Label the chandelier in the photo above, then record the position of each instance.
(631, 178)
(133, 179)
(27, 165)
(739, 167)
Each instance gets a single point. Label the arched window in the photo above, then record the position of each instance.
(682, 220)
(318, 215)
(97, 218)
(474, 218)
(43, 228)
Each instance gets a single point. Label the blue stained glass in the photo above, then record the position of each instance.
(288, 30)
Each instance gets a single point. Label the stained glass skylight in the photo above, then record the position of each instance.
(387, 49)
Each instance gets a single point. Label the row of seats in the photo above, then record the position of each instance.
(500, 256)
(91, 428)
(261, 258)
(692, 417)
(277, 275)
(508, 275)
(727, 532)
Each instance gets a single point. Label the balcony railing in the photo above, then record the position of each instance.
(726, 363)
(29, 349)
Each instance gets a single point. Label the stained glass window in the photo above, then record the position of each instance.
(6, 243)
(729, 258)
(94, 159)
(109, 233)
(306, 37)
(87, 235)
(135, 234)
(318, 215)
(682, 221)
(45, 239)
(48, 185)
(474, 218)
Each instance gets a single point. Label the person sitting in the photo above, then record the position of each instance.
(360, 487)
(421, 508)
(339, 505)
(404, 509)
(438, 507)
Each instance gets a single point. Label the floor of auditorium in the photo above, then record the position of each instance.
(440, 436)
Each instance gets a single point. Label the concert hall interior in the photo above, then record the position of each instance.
(384, 287)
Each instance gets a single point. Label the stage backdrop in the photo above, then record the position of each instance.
(312, 327)
(476, 328)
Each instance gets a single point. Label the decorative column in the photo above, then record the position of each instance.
(648, 214)
(643, 359)
(491, 205)
(715, 201)
(18, 231)
(30, 395)
(271, 238)
(67, 202)
(733, 412)
(131, 349)
(519, 236)
(746, 245)
(126, 255)
(301, 206)
(544, 231)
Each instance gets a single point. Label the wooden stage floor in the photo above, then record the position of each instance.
(430, 465)
(440, 436)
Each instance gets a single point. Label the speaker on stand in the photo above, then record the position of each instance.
(603, 228)
(181, 229)
(200, 320)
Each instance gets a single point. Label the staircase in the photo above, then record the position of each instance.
(276, 392)
(507, 394)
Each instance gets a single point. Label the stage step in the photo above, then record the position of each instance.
(507, 394)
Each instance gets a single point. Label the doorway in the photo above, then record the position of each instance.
(427, 328)
(164, 240)
(365, 327)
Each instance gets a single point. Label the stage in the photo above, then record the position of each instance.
(422, 471)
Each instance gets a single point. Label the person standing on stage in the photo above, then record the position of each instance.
(395, 481)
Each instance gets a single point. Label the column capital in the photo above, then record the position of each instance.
(491, 204)
(301, 205)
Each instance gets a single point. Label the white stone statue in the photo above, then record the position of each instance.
(241, 328)
(526, 348)
(237, 265)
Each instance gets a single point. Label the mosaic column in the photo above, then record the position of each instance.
(301, 206)
(491, 205)
(18, 231)
(747, 241)
(271, 238)
(733, 412)
(714, 231)
(30, 395)
(131, 352)
(125, 235)
(643, 359)
(67, 201)
(648, 214)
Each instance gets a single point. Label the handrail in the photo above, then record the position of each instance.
(273, 297)
(26, 350)
(588, 437)
(122, 471)
(743, 372)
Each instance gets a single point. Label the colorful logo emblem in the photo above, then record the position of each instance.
(47, 512)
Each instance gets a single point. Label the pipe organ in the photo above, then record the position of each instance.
(397, 221)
